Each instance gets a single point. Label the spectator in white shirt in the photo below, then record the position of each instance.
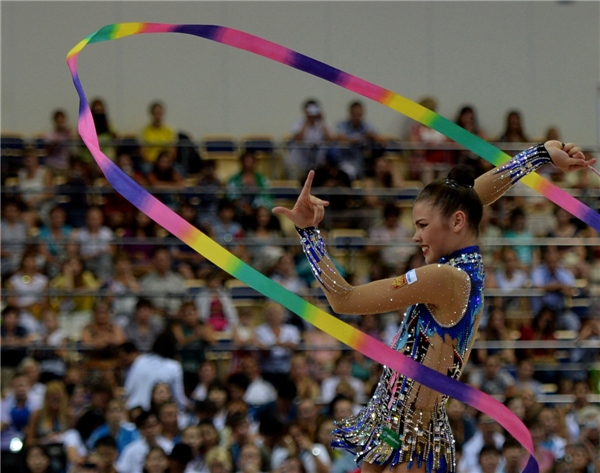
(259, 391)
(158, 366)
(96, 244)
(165, 285)
(487, 434)
(133, 458)
(278, 341)
(342, 372)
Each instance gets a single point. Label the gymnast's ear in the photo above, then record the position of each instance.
(458, 221)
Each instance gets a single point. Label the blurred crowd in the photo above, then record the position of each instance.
(125, 350)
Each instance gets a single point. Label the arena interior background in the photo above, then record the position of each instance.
(542, 58)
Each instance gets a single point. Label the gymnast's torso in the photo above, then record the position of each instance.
(406, 422)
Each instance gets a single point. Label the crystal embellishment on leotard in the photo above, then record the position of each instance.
(423, 441)
(524, 163)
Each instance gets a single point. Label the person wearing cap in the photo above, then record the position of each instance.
(307, 146)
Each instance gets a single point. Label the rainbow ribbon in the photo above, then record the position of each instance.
(343, 332)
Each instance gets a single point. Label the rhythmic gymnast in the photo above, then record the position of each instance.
(405, 424)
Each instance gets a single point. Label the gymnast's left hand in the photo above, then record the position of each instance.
(308, 210)
(567, 157)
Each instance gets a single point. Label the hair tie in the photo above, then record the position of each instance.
(457, 185)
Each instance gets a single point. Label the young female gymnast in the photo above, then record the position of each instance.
(405, 424)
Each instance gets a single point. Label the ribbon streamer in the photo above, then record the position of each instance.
(190, 235)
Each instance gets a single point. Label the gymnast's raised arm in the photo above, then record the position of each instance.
(433, 284)
(493, 184)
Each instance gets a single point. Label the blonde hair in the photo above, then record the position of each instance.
(218, 454)
(53, 388)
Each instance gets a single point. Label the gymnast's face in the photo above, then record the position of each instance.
(432, 232)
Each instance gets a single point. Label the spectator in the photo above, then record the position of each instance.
(497, 330)
(106, 451)
(35, 185)
(574, 415)
(541, 328)
(179, 458)
(187, 260)
(164, 177)
(463, 427)
(215, 305)
(210, 436)
(14, 232)
(277, 341)
(243, 337)
(15, 411)
(531, 405)
(93, 417)
(15, 338)
(142, 229)
(557, 283)
(191, 436)
(300, 375)
(134, 456)
(150, 368)
(313, 456)
(309, 137)
(145, 327)
(489, 459)
(525, 380)
(102, 336)
(52, 240)
(487, 229)
(544, 457)
(58, 146)
(426, 165)
(284, 273)
(343, 370)
(510, 277)
(37, 390)
(251, 460)
(157, 136)
(193, 337)
(167, 416)
(37, 460)
(518, 230)
(514, 455)
(122, 289)
(207, 373)
(48, 424)
(96, 244)
(514, 131)
(487, 433)
(104, 130)
(391, 232)
(341, 407)
(330, 175)
(161, 394)
(549, 421)
(384, 176)
(361, 139)
(493, 379)
(224, 230)
(219, 395)
(241, 185)
(343, 460)
(218, 460)
(259, 391)
(210, 186)
(115, 427)
(265, 226)
(467, 119)
(157, 461)
(78, 183)
(165, 285)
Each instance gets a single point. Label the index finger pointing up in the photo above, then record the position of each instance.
(307, 184)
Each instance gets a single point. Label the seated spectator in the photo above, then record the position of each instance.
(215, 305)
(122, 289)
(243, 336)
(392, 232)
(488, 229)
(514, 454)
(301, 376)
(165, 285)
(493, 379)
(224, 230)
(557, 283)
(104, 130)
(52, 362)
(179, 458)
(487, 433)
(343, 370)
(191, 436)
(72, 195)
(426, 165)
(143, 228)
(93, 416)
(14, 233)
(150, 368)
(384, 176)
(167, 416)
(259, 392)
(361, 140)
(161, 394)
(284, 273)
(210, 186)
(544, 457)
(313, 457)
(518, 230)
(164, 177)
(514, 131)
(341, 407)
(265, 226)
(510, 277)
(531, 405)
(15, 338)
(157, 137)
(462, 425)
(574, 415)
(107, 454)
(525, 379)
(15, 411)
(193, 337)
(250, 459)
(37, 390)
(210, 436)
(218, 460)
(542, 328)
(48, 425)
(188, 261)
(102, 336)
(549, 421)
(277, 340)
(52, 238)
(144, 328)
(467, 119)
(207, 373)
(96, 244)
(133, 459)
(35, 185)
(331, 176)
(309, 140)
(218, 394)
(58, 146)
(489, 459)
(241, 185)
(116, 427)
(157, 461)
(496, 330)
(37, 460)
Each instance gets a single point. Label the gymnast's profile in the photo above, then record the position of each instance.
(404, 427)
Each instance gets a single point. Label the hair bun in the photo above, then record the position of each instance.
(462, 175)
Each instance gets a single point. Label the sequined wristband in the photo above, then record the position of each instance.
(320, 262)
(525, 162)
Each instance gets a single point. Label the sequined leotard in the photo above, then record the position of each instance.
(406, 422)
(394, 405)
